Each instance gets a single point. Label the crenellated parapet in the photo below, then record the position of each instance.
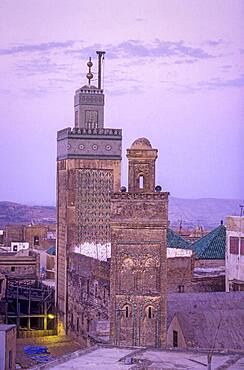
(88, 131)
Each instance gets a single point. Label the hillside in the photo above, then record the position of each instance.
(192, 212)
(18, 213)
(207, 212)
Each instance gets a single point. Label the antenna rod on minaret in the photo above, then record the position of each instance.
(100, 56)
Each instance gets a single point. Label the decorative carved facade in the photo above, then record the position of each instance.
(138, 280)
(88, 170)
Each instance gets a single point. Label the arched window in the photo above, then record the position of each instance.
(141, 182)
(149, 312)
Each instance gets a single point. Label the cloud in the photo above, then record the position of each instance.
(36, 66)
(210, 85)
(30, 48)
(217, 83)
(138, 49)
(185, 61)
(213, 42)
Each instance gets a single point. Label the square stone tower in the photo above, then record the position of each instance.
(88, 171)
(139, 220)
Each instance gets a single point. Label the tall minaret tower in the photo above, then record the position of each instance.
(138, 275)
(88, 170)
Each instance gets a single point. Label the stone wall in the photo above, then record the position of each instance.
(10, 350)
(20, 265)
(38, 236)
(209, 283)
(209, 263)
(14, 233)
(88, 302)
(179, 274)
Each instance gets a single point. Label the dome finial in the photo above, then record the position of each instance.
(89, 75)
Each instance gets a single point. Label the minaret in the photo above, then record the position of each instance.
(138, 277)
(88, 170)
(89, 104)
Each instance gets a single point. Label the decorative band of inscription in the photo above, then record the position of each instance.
(139, 195)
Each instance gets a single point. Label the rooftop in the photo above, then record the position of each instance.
(104, 358)
(212, 245)
(200, 314)
(176, 241)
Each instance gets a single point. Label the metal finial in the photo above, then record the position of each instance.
(89, 75)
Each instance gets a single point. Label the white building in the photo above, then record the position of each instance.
(18, 246)
(234, 258)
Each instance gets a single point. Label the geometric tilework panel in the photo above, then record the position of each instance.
(93, 205)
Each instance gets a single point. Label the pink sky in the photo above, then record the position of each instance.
(173, 73)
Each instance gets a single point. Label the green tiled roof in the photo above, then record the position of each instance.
(176, 241)
(212, 245)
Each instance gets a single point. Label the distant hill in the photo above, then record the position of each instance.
(191, 212)
(18, 213)
(207, 212)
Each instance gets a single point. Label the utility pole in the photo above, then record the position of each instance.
(210, 353)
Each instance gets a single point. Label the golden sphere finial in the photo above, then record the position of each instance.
(89, 75)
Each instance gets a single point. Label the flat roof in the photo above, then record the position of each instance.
(104, 358)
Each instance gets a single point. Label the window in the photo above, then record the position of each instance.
(126, 312)
(36, 240)
(175, 338)
(242, 247)
(181, 288)
(141, 182)
(15, 248)
(72, 320)
(91, 118)
(77, 324)
(150, 312)
(234, 245)
(12, 268)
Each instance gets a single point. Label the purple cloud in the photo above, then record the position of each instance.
(138, 49)
(42, 65)
(214, 42)
(28, 48)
